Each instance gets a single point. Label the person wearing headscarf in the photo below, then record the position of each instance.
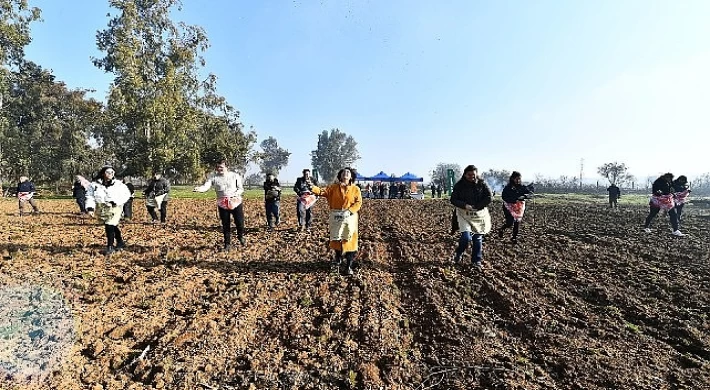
(344, 201)
(105, 198)
(471, 197)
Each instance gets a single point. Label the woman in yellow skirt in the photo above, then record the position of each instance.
(344, 200)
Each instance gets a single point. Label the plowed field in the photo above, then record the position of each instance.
(585, 300)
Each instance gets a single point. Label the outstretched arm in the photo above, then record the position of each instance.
(204, 187)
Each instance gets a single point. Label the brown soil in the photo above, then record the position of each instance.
(586, 300)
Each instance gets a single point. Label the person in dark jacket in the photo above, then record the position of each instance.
(471, 197)
(514, 196)
(681, 190)
(157, 194)
(394, 190)
(438, 190)
(305, 200)
(272, 200)
(128, 206)
(433, 190)
(79, 193)
(662, 199)
(402, 190)
(614, 195)
(25, 194)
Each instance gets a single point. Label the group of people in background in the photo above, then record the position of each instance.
(382, 190)
(111, 200)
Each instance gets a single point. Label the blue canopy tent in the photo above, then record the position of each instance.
(408, 177)
(381, 177)
(359, 177)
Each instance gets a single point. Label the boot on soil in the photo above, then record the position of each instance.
(120, 246)
(501, 231)
(337, 260)
(109, 251)
(514, 240)
(226, 248)
(348, 264)
(242, 240)
(478, 265)
(456, 259)
(678, 233)
(647, 230)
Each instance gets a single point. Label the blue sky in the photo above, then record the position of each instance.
(517, 85)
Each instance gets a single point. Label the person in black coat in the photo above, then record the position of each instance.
(614, 195)
(25, 194)
(303, 187)
(393, 190)
(272, 200)
(681, 190)
(128, 206)
(662, 199)
(514, 196)
(79, 193)
(157, 195)
(471, 196)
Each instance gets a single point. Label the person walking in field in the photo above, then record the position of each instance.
(662, 199)
(614, 195)
(681, 191)
(25, 194)
(128, 206)
(305, 200)
(471, 197)
(272, 200)
(79, 193)
(105, 198)
(344, 202)
(228, 187)
(157, 195)
(514, 196)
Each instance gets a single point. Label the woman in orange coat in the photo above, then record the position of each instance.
(344, 200)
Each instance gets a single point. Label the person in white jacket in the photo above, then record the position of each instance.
(229, 189)
(105, 197)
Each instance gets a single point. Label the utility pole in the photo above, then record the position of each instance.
(581, 172)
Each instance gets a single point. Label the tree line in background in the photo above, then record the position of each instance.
(159, 115)
(614, 173)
